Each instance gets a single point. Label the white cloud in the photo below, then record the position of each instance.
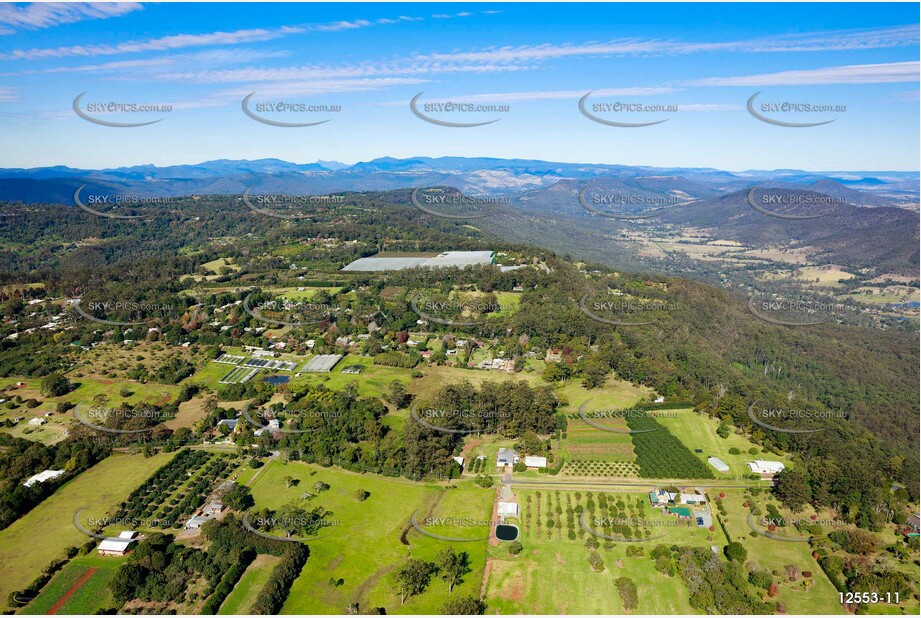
(214, 57)
(38, 15)
(893, 72)
(178, 41)
(833, 40)
(8, 94)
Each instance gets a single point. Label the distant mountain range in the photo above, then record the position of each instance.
(873, 222)
(532, 182)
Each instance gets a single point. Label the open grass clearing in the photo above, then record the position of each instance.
(24, 552)
(244, 593)
(698, 431)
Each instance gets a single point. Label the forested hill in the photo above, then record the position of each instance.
(707, 348)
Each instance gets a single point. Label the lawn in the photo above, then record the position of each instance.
(87, 389)
(553, 576)
(616, 394)
(368, 543)
(698, 431)
(243, 595)
(437, 376)
(508, 302)
(373, 381)
(770, 554)
(24, 552)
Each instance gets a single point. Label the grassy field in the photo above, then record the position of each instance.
(508, 302)
(584, 441)
(553, 575)
(243, 595)
(373, 381)
(368, 544)
(819, 598)
(34, 540)
(697, 431)
(823, 275)
(615, 394)
(437, 376)
(305, 294)
(87, 599)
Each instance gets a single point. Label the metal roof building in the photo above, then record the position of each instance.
(322, 363)
(460, 259)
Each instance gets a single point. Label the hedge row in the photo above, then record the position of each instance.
(273, 594)
(230, 579)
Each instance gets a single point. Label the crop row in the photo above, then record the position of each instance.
(585, 467)
(659, 454)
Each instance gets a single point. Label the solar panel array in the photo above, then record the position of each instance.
(264, 363)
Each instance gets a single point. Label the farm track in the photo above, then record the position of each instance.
(77, 585)
(649, 484)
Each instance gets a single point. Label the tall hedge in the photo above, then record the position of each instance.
(275, 591)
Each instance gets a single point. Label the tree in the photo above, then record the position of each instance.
(239, 498)
(554, 372)
(484, 480)
(736, 551)
(464, 606)
(397, 394)
(55, 385)
(514, 548)
(290, 481)
(594, 559)
(594, 373)
(412, 578)
(531, 444)
(793, 488)
(452, 566)
(628, 593)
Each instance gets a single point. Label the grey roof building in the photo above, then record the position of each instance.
(506, 457)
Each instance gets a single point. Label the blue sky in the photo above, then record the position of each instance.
(538, 59)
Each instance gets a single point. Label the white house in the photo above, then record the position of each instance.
(535, 462)
(508, 509)
(459, 460)
(117, 547)
(765, 468)
(41, 477)
(37, 421)
(196, 522)
(692, 498)
(718, 463)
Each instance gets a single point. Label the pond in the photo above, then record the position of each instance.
(276, 379)
(506, 532)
